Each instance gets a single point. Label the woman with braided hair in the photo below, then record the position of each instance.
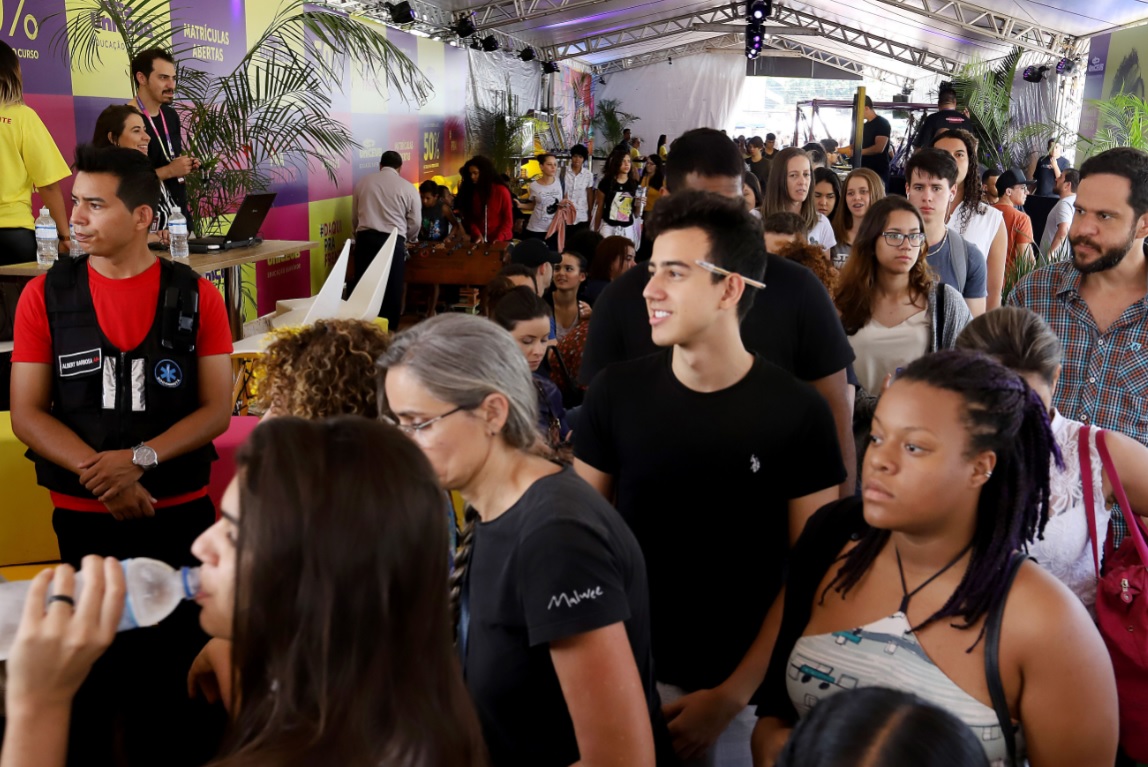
(549, 591)
(920, 586)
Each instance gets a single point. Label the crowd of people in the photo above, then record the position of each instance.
(748, 478)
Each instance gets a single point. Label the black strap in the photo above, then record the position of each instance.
(906, 595)
(992, 659)
(939, 336)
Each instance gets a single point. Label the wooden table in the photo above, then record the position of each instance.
(451, 264)
(228, 261)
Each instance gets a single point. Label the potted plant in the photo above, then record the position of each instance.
(609, 121)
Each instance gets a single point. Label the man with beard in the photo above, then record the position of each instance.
(1096, 301)
(154, 73)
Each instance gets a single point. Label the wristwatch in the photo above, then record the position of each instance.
(144, 457)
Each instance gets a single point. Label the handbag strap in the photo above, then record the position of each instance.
(1085, 449)
(1134, 530)
(992, 659)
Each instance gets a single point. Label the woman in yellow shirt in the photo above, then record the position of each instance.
(28, 157)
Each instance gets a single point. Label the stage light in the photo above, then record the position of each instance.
(490, 44)
(601, 80)
(1065, 66)
(526, 54)
(1034, 74)
(550, 68)
(401, 13)
(464, 27)
(758, 10)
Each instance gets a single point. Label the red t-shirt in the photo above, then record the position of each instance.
(125, 310)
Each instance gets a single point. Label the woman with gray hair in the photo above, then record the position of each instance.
(549, 591)
(28, 158)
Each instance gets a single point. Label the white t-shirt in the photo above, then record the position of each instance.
(981, 229)
(1061, 213)
(822, 233)
(544, 197)
(576, 186)
(881, 350)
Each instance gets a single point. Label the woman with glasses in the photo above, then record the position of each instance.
(549, 592)
(892, 307)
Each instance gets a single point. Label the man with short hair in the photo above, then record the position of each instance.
(153, 71)
(781, 229)
(121, 379)
(625, 143)
(830, 147)
(1012, 191)
(874, 143)
(989, 185)
(1047, 169)
(770, 146)
(536, 255)
(739, 423)
(382, 202)
(930, 178)
(946, 118)
(759, 164)
(793, 324)
(1053, 243)
(578, 186)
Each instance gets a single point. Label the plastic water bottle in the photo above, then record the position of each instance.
(154, 590)
(177, 230)
(47, 241)
(77, 250)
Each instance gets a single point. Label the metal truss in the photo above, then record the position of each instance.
(501, 13)
(856, 38)
(620, 38)
(431, 21)
(999, 26)
(841, 62)
(730, 41)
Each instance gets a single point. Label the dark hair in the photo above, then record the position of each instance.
(971, 200)
(777, 187)
(585, 241)
(609, 251)
(583, 262)
(751, 180)
(11, 86)
(614, 162)
(989, 173)
(1125, 162)
(1051, 142)
(736, 242)
(541, 158)
(519, 270)
(138, 183)
(430, 187)
(144, 62)
(828, 176)
(316, 613)
(580, 150)
(1017, 338)
(946, 94)
(704, 151)
(1004, 415)
(855, 288)
(516, 305)
(934, 163)
(755, 141)
(829, 145)
(784, 222)
(112, 120)
(1072, 176)
(880, 727)
(869, 101)
(661, 141)
(488, 176)
(391, 159)
(816, 157)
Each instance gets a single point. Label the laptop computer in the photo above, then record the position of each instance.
(244, 227)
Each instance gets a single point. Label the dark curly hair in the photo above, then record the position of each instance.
(323, 370)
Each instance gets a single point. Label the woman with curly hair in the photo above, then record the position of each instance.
(322, 370)
(483, 202)
(980, 224)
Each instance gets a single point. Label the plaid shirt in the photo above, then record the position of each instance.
(1104, 376)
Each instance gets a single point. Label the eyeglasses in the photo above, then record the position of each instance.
(411, 429)
(715, 269)
(896, 238)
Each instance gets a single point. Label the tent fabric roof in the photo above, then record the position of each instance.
(570, 20)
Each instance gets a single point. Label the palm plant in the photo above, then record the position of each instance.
(609, 122)
(986, 90)
(269, 118)
(499, 131)
(1122, 120)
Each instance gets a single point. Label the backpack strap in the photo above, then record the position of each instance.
(959, 257)
(992, 659)
(939, 331)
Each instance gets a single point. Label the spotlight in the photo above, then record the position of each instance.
(490, 44)
(601, 80)
(551, 67)
(475, 45)
(758, 10)
(527, 54)
(401, 13)
(754, 35)
(670, 60)
(1065, 66)
(464, 27)
(1034, 74)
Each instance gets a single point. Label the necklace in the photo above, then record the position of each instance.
(936, 248)
(907, 595)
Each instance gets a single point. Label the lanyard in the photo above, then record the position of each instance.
(165, 142)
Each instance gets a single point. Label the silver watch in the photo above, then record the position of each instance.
(144, 457)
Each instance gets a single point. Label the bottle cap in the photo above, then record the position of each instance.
(44, 212)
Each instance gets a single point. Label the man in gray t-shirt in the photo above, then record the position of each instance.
(1054, 241)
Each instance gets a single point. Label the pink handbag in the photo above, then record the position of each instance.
(1122, 603)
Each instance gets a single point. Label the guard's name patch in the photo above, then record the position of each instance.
(80, 363)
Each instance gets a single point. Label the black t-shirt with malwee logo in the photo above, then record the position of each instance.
(560, 562)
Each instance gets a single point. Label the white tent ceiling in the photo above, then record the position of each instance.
(548, 23)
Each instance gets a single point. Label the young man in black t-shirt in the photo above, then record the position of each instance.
(154, 73)
(715, 459)
(874, 142)
(947, 118)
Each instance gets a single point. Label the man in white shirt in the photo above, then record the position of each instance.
(578, 185)
(1059, 221)
(384, 201)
